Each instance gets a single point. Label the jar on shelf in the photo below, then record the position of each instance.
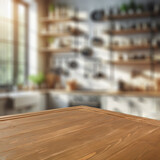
(154, 42)
(138, 26)
(131, 42)
(156, 8)
(70, 12)
(57, 12)
(115, 43)
(118, 27)
(131, 11)
(145, 42)
(154, 26)
(139, 9)
(63, 11)
(110, 12)
(120, 57)
(125, 57)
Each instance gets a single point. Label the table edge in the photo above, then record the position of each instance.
(86, 108)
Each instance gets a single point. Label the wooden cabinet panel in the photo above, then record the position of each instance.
(58, 100)
(2, 107)
(138, 106)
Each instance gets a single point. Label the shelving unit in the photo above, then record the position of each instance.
(134, 62)
(60, 50)
(131, 16)
(130, 49)
(58, 35)
(46, 35)
(133, 48)
(62, 20)
(131, 31)
(74, 33)
(117, 49)
(51, 20)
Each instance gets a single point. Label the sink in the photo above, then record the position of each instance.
(23, 99)
(20, 94)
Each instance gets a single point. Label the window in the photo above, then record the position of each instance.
(13, 42)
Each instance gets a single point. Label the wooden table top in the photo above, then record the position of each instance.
(79, 133)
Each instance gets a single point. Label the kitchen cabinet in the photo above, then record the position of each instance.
(18, 103)
(58, 100)
(38, 105)
(42, 102)
(88, 100)
(138, 106)
(154, 112)
(2, 106)
(114, 103)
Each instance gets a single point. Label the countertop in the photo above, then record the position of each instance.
(80, 92)
(78, 133)
(103, 93)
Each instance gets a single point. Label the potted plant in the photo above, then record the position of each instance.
(50, 42)
(37, 79)
(124, 9)
(51, 10)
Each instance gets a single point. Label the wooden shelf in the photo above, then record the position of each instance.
(74, 33)
(78, 19)
(59, 50)
(132, 16)
(131, 31)
(51, 20)
(132, 48)
(56, 34)
(61, 20)
(133, 62)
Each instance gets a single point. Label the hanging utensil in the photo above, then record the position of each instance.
(97, 15)
(87, 52)
(73, 65)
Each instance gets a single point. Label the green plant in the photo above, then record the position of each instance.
(124, 8)
(37, 79)
(50, 40)
(51, 8)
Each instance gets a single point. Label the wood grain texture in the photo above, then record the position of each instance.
(78, 133)
(132, 16)
(134, 62)
(131, 31)
(132, 48)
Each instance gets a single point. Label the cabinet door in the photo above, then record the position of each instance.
(154, 110)
(134, 106)
(117, 104)
(157, 101)
(103, 102)
(85, 100)
(42, 102)
(123, 104)
(2, 107)
(58, 101)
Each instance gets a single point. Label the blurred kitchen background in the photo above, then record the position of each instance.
(64, 53)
